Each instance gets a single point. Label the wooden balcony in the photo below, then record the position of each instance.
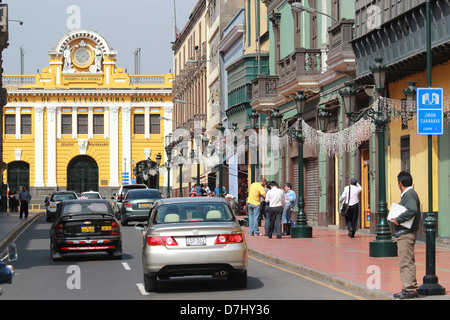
(264, 91)
(298, 71)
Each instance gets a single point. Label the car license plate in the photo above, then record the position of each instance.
(196, 241)
(145, 205)
(86, 229)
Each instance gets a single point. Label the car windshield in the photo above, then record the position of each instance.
(189, 212)
(142, 194)
(64, 196)
(84, 207)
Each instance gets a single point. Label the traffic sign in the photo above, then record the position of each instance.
(430, 111)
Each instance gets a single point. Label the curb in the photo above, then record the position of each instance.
(327, 278)
(19, 228)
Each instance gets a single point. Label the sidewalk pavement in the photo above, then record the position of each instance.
(11, 225)
(333, 257)
(329, 256)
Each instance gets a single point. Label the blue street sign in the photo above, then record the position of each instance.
(430, 111)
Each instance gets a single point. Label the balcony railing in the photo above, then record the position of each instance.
(301, 63)
(265, 87)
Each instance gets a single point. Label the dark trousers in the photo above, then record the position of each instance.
(275, 214)
(352, 218)
(23, 208)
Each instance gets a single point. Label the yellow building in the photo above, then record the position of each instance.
(82, 123)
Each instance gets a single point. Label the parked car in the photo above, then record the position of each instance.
(91, 195)
(190, 237)
(56, 198)
(136, 205)
(85, 225)
(118, 197)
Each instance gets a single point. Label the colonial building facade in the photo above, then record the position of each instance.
(82, 123)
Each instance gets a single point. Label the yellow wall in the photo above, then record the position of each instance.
(418, 143)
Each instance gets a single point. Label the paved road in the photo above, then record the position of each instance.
(99, 277)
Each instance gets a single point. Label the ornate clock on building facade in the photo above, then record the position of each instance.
(82, 57)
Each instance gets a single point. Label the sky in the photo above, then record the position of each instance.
(126, 25)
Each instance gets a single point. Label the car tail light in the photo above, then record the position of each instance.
(115, 229)
(127, 204)
(160, 241)
(59, 232)
(229, 238)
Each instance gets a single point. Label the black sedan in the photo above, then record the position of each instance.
(85, 226)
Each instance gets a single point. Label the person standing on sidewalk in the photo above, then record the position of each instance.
(351, 219)
(255, 192)
(406, 238)
(288, 209)
(24, 197)
(276, 198)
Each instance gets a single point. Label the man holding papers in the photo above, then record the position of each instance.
(406, 237)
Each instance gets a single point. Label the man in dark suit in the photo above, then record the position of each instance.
(406, 238)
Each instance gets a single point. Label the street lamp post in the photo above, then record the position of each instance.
(301, 228)
(158, 163)
(221, 128)
(169, 158)
(253, 123)
(383, 246)
(430, 284)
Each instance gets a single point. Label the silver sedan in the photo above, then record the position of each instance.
(193, 236)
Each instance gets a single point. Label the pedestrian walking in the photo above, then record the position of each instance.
(276, 198)
(290, 200)
(24, 197)
(350, 195)
(256, 191)
(406, 238)
(12, 201)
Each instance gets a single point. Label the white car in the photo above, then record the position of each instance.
(91, 195)
(56, 198)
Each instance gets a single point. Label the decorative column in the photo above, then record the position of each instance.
(126, 139)
(39, 147)
(51, 147)
(114, 147)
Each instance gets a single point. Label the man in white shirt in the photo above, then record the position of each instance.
(276, 199)
(351, 219)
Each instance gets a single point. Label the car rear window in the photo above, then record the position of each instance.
(65, 196)
(199, 212)
(85, 207)
(143, 194)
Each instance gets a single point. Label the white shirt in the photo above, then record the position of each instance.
(354, 194)
(275, 197)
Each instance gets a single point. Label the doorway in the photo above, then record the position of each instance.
(82, 174)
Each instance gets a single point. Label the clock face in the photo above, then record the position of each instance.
(82, 57)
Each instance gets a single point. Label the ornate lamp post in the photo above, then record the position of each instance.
(221, 128)
(383, 246)
(168, 165)
(158, 163)
(301, 228)
(253, 123)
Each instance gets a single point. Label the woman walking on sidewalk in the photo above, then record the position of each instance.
(351, 219)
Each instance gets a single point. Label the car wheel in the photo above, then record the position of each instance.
(150, 283)
(123, 222)
(239, 279)
(55, 255)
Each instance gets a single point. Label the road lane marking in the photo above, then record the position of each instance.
(142, 289)
(310, 279)
(126, 266)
